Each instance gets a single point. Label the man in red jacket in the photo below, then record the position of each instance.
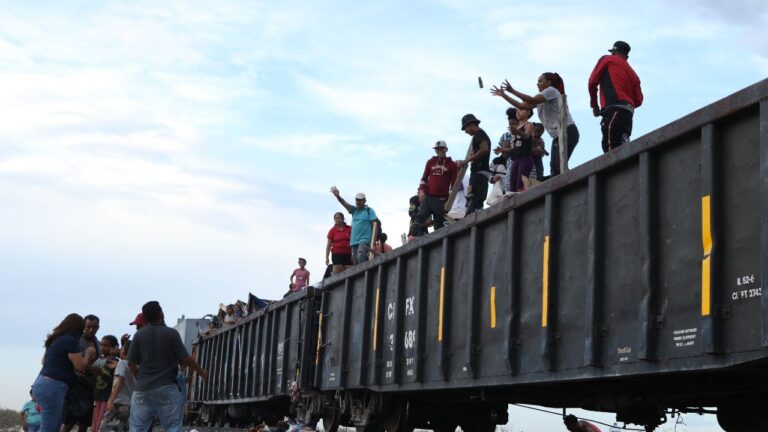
(620, 94)
(439, 176)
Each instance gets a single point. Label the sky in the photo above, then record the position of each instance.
(182, 151)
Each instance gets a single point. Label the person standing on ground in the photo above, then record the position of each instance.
(436, 182)
(363, 218)
(547, 103)
(301, 276)
(62, 358)
(480, 158)
(103, 369)
(154, 358)
(337, 250)
(30, 415)
(620, 94)
(119, 403)
(80, 397)
(573, 424)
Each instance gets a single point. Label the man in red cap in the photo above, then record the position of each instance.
(139, 322)
(620, 94)
(439, 176)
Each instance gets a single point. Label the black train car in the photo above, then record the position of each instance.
(631, 284)
(256, 365)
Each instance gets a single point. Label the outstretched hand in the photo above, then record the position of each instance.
(335, 191)
(507, 86)
(497, 91)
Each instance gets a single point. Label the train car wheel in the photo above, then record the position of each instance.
(396, 418)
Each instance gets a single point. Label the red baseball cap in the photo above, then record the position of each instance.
(139, 320)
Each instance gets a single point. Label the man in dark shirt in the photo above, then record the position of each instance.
(480, 157)
(154, 358)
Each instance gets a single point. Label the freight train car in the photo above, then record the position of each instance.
(631, 284)
(256, 366)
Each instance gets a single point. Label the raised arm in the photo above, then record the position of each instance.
(499, 91)
(346, 205)
(529, 102)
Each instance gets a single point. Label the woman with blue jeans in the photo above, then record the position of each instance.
(62, 357)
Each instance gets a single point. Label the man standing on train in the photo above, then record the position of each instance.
(620, 94)
(363, 218)
(439, 176)
(480, 157)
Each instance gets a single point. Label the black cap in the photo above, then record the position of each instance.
(468, 119)
(620, 47)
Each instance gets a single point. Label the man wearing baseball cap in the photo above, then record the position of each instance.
(363, 235)
(480, 171)
(620, 94)
(439, 176)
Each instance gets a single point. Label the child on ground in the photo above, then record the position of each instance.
(103, 369)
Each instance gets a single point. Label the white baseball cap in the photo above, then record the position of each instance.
(440, 144)
(360, 195)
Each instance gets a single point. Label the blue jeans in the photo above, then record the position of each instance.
(360, 253)
(182, 383)
(50, 394)
(33, 427)
(162, 402)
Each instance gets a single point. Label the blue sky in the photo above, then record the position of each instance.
(183, 151)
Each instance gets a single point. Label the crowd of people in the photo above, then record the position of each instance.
(444, 195)
(106, 384)
(111, 385)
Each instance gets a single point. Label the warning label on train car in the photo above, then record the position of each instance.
(684, 337)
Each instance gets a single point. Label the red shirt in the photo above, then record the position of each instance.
(340, 239)
(439, 176)
(618, 83)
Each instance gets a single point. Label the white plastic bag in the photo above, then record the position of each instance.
(496, 195)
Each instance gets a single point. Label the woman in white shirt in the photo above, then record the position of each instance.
(547, 103)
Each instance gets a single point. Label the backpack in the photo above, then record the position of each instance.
(378, 223)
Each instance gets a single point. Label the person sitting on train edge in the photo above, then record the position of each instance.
(363, 218)
(302, 276)
(382, 246)
(480, 157)
(230, 317)
(439, 175)
(573, 424)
